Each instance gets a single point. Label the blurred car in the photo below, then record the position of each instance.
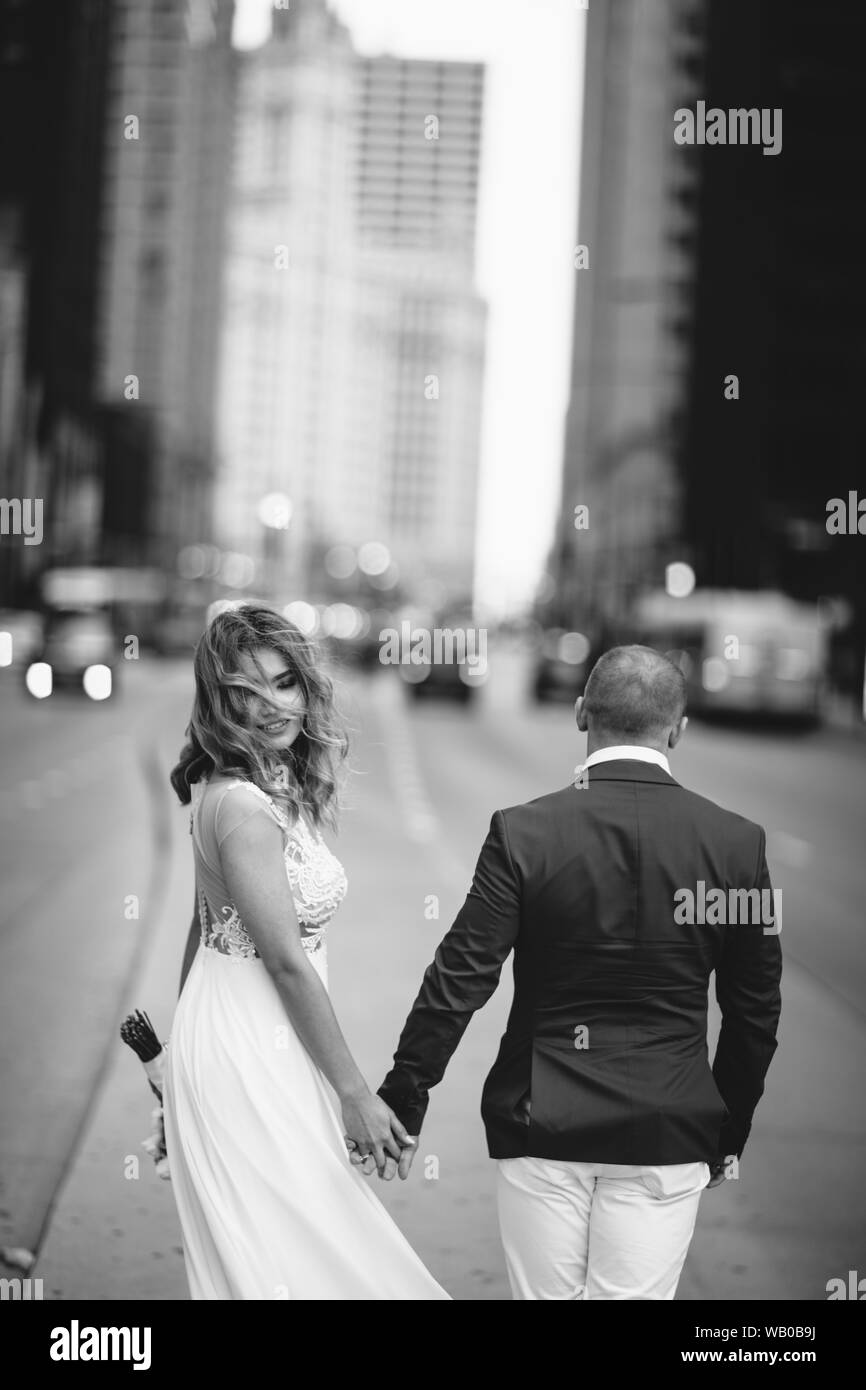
(178, 630)
(455, 667)
(741, 652)
(74, 641)
(353, 633)
(376, 621)
(20, 636)
(562, 664)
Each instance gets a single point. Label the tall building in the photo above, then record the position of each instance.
(633, 286)
(418, 137)
(717, 336)
(113, 213)
(352, 348)
(780, 304)
(13, 322)
(286, 346)
(417, 141)
(167, 138)
(53, 66)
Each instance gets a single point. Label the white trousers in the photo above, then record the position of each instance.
(596, 1230)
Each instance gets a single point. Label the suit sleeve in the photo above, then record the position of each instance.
(748, 979)
(464, 973)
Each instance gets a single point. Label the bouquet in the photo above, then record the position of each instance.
(137, 1032)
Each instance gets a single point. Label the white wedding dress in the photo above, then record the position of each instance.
(269, 1205)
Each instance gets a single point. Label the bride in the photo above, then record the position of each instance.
(269, 1203)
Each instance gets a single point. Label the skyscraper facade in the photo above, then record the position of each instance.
(418, 137)
(634, 275)
(352, 350)
(113, 215)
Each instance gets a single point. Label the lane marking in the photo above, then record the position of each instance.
(417, 813)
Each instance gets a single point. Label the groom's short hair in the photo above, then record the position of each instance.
(633, 693)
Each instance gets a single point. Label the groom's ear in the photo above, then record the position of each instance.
(580, 714)
(677, 732)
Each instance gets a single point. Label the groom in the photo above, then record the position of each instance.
(601, 1110)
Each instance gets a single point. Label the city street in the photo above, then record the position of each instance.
(89, 820)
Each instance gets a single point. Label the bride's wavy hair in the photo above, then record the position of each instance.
(222, 736)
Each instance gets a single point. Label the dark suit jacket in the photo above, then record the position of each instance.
(604, 1057)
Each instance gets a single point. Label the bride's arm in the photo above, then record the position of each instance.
(253, 866)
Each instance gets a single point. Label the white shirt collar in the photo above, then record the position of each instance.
(635, 752)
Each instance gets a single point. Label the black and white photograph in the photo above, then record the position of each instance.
(432, 667)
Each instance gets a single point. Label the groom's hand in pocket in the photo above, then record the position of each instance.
(719, 1170)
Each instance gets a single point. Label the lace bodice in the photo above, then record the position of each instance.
(316, 877)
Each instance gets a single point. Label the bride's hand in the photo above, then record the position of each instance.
(375, 1131)
(367, 1163)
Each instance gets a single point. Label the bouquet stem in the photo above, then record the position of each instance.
(138, 1032)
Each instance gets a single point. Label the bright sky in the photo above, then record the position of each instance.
(525, 248)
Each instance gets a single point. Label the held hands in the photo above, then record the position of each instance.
(367, 1163)
(375, 1137)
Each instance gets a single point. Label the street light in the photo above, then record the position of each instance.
(679, 579)
(373, 558)
(275, 513)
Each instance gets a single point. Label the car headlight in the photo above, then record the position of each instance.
(714, 674)
(39, 679)
(97, 682)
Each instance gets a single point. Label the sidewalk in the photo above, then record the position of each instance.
(113, 1236)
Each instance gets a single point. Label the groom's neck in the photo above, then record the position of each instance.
(595, 742)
